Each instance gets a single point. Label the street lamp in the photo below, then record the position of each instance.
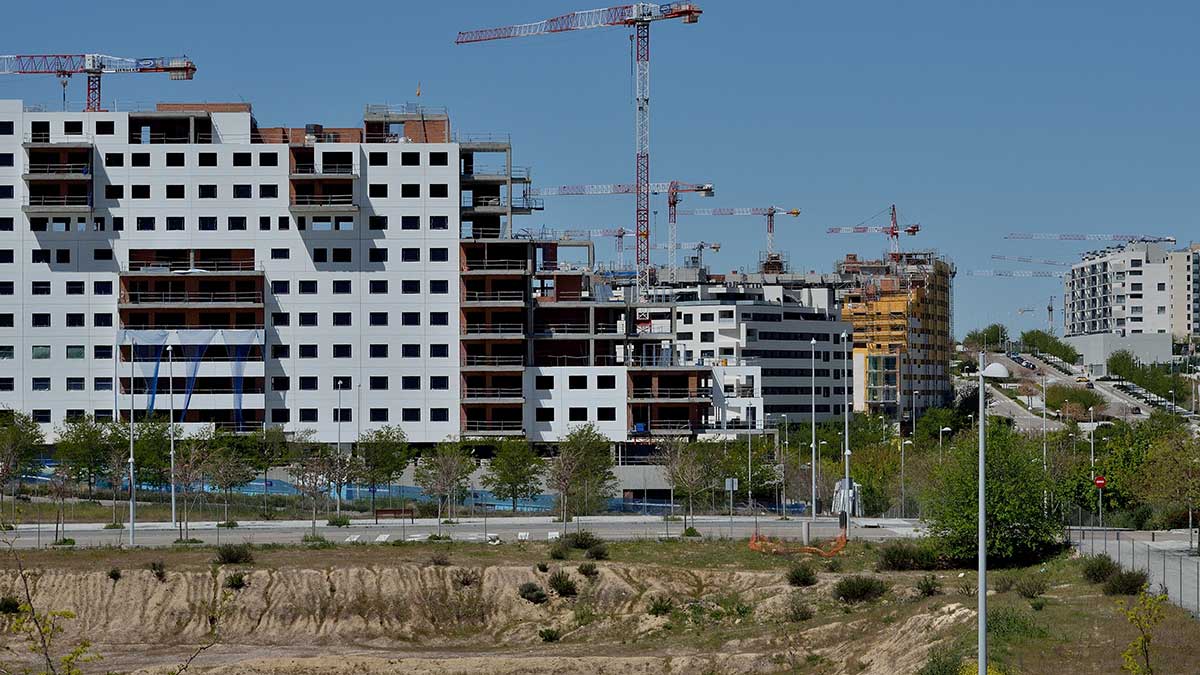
(820, 456)
(1092, 439)
(902, 492)
(783, 463)
(339, 384)
(1172, 393)
(846, 431)
(940, 432)
(171, 424)
(132, 489)
(812, 409)
(992, 371)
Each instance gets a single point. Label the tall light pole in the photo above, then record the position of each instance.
(849, 492)
(820, 457)
(1092, 439)
(749, 472)
(1172, 393)
(783, 465)
(171, 424)
(903, 509)
(812, 409)
(995, 370)
(337, 384)
(940, 432)
(132, 489)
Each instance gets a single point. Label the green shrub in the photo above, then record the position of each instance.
(588, 569)
(65, 541)
(1012, 623)
(1003, 583)
(1038, 604)
(801, 574)
(1032, 586)
(465, 578)
(929, 586)
(968, 589)
(560, 582)
(439, 559)
(338, 521)
(549, 634)
(236, 581)
(532, 592)
(661, 606)
(797, 610)
(732, 604)
(691, 532)
(834, 565)
(582, 539)
(234, 554)
(188, 540)
(859, 588)
(9, 604)
(159, 568)
(434, 536)
(942, 661)
(543, 567)
(597, 551)
(560, 551)
(316, 541)
(114, 574)
(1098, 568)
(114, 526)
(905, 556)
(228, 524)
(1126, 582)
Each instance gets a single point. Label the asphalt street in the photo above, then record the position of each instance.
(470, 529)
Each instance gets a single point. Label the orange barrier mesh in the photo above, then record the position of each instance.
(764, 544)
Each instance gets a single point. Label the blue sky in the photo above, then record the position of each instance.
(976, 118)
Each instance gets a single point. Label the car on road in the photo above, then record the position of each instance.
(1081, 378)
(1135, 410)
(1089, 385)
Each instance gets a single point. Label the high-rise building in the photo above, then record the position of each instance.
(1122, 290)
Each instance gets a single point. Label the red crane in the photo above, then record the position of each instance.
(639, 16)
(94, 65)
(892, 230)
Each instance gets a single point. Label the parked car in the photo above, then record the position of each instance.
(1089, 385)
(1081, 378)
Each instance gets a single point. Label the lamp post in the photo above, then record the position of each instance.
(903, 510)
(338, 385)
(749, 473)
(783, 467)
(171, 424)
(819, 468)
(812, 409)
(940, 432)
(995, 370)
(849, 508)
(1092, 439)
(1172, 393)
(132, 489)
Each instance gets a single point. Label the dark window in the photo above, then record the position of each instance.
(114, 191)
(439, 255)
(606, 382)
(410, 414)
(439, 351)
(606, 414)
(145, 223)
(139, 159)
(410, 351)
(377, 190)
(378, 286)
(39, 255)
(279, 351)
(76, 320)
(308, 414)
(308, 351)
(439, 414)
(207, 223)
(242, 191)
(377, 222)
(175, 159)
(208, 191)
(281, 383)
(342, 255)
(410, 159)
(39, 288)
(410, 191)
(410, 318)
(102, 352)
(410, 286)
(62, 256)
(543, 415)
(268, 191)
(378, 382)
(6, 224)
(379, 318)
(279, 286)
(114, 159)
(174, 191)
(174, 224)
(281, 319)
(236, 222)
(207, 159)
(241, 159)
(6, 255)
(439, 191)
(342, 319)
(377, 255)
(379, 351)
(41, 416)
(576, 414)
(439, 159)
(75, 288)
(281, 415)
(377, 159)
(410, 222)
(320, 255)
(102, 287)
(379, 414)
(439, 319)
(268, 159)
(543, 382)
(105, 128)
(439, 382)
(308, 287)
(410, 382)
(341, 286)
(282, 223)
(439, 222)
(410, 255)
(439, 287)
(102, 320)
(7, 288)
(6, 128)
(6, 159)
(118, 223)
(40, 320)
(280, 254)
(308, 318)
(577, 382)
(308, 383)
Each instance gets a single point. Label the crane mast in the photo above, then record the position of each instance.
(639, 16)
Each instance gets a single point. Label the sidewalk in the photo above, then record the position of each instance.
(1167, 559)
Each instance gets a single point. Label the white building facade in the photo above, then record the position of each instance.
(1122, 290)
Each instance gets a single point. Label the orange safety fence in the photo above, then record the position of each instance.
(764, 544)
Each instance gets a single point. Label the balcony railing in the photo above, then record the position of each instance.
(66, 139)
(488, 265)
(190, 297)
(492, 392)
(58, 168)
(183, 326)
(323, 200)
(492, 425)
(59, 200)
(518, 172)
(497, 328)
(670, 393)
(183, 265)
(482, 138)
(494, 296)
(517, 202)
(471, 360)
(337, 169)
(562, 329)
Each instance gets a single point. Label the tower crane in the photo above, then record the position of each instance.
(1016, 274)
(94, 65)
(1058, 236)
(673, 190)
(1050, 315)
(697, 246)
(639, 16)
(1027, 259)
(617, 232)
(892, 230)
(774, 261)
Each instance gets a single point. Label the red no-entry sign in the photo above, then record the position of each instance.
(1100, 482)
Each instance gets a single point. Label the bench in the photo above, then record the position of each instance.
(396, 513)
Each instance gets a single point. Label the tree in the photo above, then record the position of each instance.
(193, 458)
(934, 420)
(1043, 342)
(1170, 474)
(442, 472)
(229, 466)
(515, 472)
(1028, 388)
(1018, 528)
(20, 438)
(82, 447)
(1144, 615)
(385, 454)
(992, 337)
(116, 458)
(594, 479)
(152, 450)
(562, 470)
(309, 470)
(342, 467)
(273, 450)
(686, 469)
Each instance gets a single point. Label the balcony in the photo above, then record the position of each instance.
(302, 171)
(157, 267)
(492, 395)
(52, 172)
(496, 266)
(562, 330)
(495, 174)
(494, 298)
(43, 139)
(493, 362)
(494, 427)
(224, 299)
(57, 204)
(493, 331)
(484, 142)
(324, 204)
(669, 394)
(499, 206)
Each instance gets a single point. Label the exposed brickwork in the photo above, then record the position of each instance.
(205, 107)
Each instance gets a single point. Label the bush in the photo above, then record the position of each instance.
(316, 541)
(235, 581)
(466, 578)
(439, 559)
(691, 532)
(228, 524)
(114, 574)
(661, 606)
(1003, 583)
(597, 551)
(801, 574)
(1032, 586)
(560, 582)
(65, 541)
(942, 661)
(114, 526)
(338, 521)
(905, 556)
(834, 565)
(159, 568)
(1098, 568)
(234, 554)
(929, 586)
(434, 536)
(582, 539)
(859, 588)
(549, 634)
(1126, 582)
(187, 540)
(543, 567)
(559, 551)
(797, 610)
(1010, 622)
(1038, 604)
(9, 604)
(588, 569)
(968, 589)
(532, 592)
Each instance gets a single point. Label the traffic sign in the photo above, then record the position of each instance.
(731, 484)
(1100, 482)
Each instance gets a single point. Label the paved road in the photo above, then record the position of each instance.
(1168, 562)
(471, 529)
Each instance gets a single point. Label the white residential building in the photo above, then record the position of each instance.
(1123, 290)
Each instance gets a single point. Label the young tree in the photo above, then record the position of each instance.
(384, 454)
(152, 449)
(230, 466)
(515, 472)
(562, 470)
(686, 470)
(273, 450)
(20, 438)
(82, 446)
(594, 480)
(193, 455)
(116, 459)
(342, 467)
(310, 470)
(443, 472)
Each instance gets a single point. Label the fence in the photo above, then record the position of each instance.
(1171, 565)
